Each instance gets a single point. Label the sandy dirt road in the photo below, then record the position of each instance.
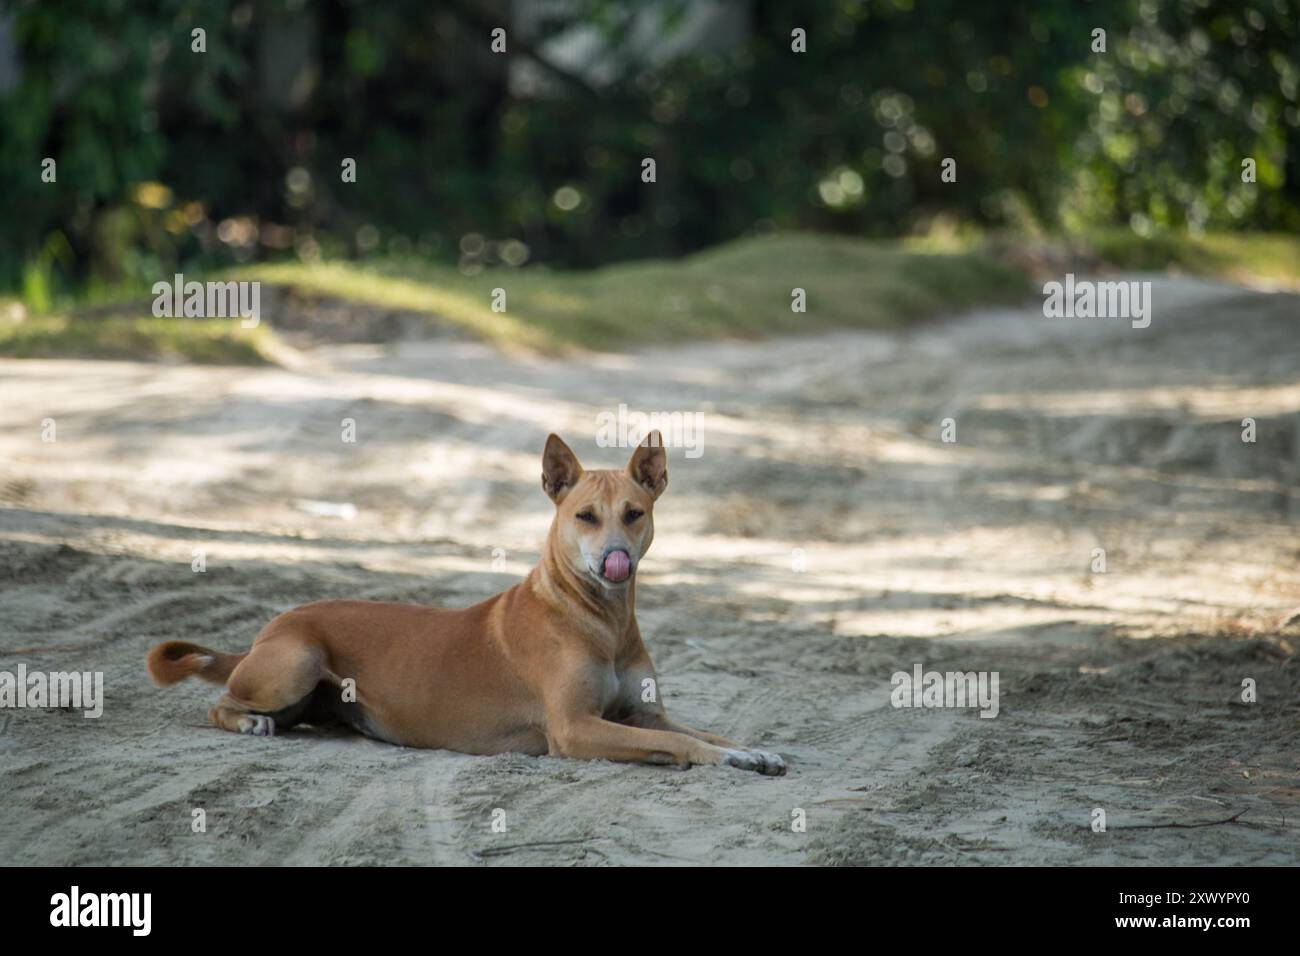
(824, 539)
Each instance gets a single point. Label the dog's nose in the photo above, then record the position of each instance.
(618, 566)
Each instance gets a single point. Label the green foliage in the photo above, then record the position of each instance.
(172, 160)
(1244, 256)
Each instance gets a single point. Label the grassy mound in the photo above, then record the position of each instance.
(213, 341)
(742, 289)
(739, 290)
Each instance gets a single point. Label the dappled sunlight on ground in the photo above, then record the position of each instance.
(824, 537)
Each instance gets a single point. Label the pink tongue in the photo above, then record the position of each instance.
(617, 566)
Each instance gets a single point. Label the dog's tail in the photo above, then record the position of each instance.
(173, 661)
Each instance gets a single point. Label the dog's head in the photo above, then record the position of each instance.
(603, 519)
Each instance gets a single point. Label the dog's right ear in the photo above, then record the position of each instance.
(649, 465)
(560, 469)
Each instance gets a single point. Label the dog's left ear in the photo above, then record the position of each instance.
(560, 469)
(649, 465)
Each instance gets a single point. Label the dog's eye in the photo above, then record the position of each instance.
(588, 517)
(632, 515)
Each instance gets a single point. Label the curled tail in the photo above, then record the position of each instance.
(173, 661)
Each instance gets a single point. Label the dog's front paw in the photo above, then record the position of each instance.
(257, 725)
(760, 761)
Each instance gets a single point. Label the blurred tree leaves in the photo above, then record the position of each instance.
(454, 153)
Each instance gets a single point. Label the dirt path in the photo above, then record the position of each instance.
(1119, 691)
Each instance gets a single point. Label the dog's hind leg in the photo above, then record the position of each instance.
(271, 686)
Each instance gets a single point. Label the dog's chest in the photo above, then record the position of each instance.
(609, 689)
(624, 692)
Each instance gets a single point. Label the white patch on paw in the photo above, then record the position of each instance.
(257, 725)
(773, 765)
(759, 761)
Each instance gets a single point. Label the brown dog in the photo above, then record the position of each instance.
(555, 665)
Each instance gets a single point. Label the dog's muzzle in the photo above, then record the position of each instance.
(617, 567)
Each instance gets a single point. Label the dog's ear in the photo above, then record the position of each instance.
(649, 465)
(560, 469)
